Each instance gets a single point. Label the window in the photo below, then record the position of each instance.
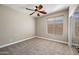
(55, 25)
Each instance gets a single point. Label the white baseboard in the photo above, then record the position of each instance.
(58, 41)
(53, 40)
(37, 37)
(74, 44)
(5, 45)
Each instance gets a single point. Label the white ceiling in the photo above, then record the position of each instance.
(49, 8)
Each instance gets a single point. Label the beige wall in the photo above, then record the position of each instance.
(41, 26)
(14, 26)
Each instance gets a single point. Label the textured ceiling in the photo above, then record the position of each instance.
(49, 8)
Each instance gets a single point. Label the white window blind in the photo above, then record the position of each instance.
(55, 25)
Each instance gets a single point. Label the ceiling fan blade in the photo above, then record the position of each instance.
(38, 14)
(32, 13)
(43, 12)
(30, 9)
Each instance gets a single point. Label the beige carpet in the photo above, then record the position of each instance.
(37, 46)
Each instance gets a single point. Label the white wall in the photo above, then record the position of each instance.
(72, 9)
(14, 26)
(41, 26)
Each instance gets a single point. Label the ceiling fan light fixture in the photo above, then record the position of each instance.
(39, 9)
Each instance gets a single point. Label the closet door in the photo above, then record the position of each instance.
(75, 28)
(74, 25)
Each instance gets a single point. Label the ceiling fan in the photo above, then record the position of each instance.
(38, 9)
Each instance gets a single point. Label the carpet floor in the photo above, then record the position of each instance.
(37, 46)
